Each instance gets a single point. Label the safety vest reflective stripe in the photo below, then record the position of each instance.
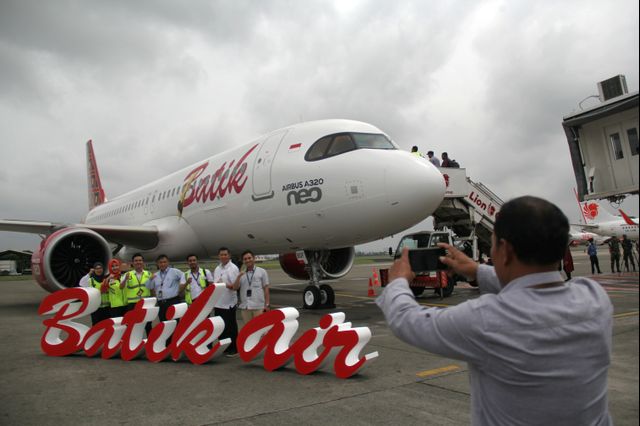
(137, 290)
(202, 280)
(104, 297)
(116, 294)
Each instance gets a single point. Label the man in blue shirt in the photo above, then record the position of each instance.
(592, 251)
(166, 285)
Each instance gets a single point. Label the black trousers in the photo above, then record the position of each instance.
(628, 256)
(594, 264)
(147, 326)
(230, 327)
(615, 261)
(117, 312)
(164, 305)
(100, 314)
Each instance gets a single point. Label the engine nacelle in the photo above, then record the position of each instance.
(333, 263)
(66, 256)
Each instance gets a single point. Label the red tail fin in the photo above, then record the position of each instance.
(627, 218)
(96, 193)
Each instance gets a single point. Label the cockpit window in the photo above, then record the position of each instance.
(332, 145)
(318, 149)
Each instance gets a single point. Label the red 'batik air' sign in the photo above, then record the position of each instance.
(195, 336)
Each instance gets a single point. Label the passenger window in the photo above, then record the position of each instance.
(340, 144)
(632, 134)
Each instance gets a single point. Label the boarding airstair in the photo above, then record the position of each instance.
(469, 209)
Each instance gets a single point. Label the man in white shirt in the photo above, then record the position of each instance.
(538, 348)
(226, 272)
(254, 288)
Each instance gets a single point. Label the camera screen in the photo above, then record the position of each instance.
(427, 259)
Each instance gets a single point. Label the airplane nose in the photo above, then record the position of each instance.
(415, 188)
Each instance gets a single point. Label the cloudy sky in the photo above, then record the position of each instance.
(160, 84)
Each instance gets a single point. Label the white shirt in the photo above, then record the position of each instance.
(256, 281)
(84, 281)
(536, 355)
(226, 274)
(194, 286)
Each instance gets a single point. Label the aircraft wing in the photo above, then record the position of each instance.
(142, 237)
(586, 227)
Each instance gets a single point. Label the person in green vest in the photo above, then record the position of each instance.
(95, 279)
(196, 280)
(134, 285)
(117, 294)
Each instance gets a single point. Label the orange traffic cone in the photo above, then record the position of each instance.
(371, 292)
(376, 281)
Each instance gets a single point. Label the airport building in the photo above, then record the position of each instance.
(15, 262)
(603, 142)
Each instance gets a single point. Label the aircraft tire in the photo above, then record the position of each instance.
(311, 297)
(417, 291)
(327, 297)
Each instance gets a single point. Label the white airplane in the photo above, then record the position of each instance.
(309, 192)
(599, 220)
(577, 237)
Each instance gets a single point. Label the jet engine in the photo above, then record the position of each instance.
(66, 256)
(332, 264)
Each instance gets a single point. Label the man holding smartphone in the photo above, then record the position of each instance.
(538, 348)
(254, 288)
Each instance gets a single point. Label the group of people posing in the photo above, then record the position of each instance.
(122, 290)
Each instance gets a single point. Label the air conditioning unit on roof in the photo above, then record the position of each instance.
(612, 88)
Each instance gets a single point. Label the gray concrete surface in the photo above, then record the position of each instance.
(400, 387)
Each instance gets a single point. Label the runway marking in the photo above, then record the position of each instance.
(447, 369)
(626, 314)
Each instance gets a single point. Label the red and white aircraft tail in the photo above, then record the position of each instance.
(96, 193)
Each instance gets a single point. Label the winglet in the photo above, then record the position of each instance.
(96, 193)
(627, 218)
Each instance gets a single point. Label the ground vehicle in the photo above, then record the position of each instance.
(438, 280)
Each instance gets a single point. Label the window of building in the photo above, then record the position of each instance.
(616, 145)
(632, 135)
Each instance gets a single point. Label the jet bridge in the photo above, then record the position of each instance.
(469, 209)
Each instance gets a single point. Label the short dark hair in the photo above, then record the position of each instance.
(414, 148)
(444, 154)
(137, 255)
(247, 252)
(430, 153)
(162, 256)
(224, 249)
(191, 255)
(536, 228)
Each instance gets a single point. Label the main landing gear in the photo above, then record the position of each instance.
(316, 295)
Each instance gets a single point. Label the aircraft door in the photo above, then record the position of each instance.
(263, 164)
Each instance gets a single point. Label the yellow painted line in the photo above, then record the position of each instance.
(626, 314)
(436, 371)
(439, 305)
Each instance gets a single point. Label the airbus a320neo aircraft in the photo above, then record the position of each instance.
(308, 192)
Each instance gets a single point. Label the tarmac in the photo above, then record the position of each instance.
(404, 385)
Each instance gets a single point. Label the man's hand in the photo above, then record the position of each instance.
(459, 262)
(401, 268)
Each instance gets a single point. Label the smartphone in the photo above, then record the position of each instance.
(427, 259)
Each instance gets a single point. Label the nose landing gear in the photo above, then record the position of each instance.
(316, 295)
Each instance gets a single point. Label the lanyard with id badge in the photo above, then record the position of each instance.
(250, 280)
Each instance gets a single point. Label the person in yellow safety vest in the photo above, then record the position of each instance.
(117, 295)
(95, 279)
(196, 280)
(133, 283)
(415, 152)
